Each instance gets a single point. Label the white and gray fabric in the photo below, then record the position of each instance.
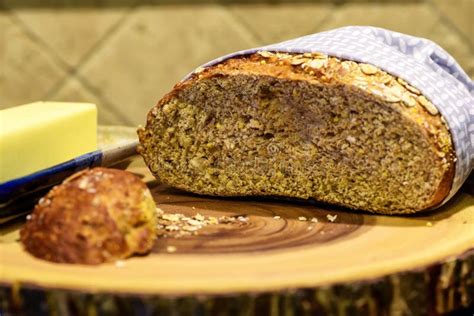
(420, 62)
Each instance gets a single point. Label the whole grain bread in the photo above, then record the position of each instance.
(304, 126)
(95, 216)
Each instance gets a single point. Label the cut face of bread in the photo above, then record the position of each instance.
(301, 126)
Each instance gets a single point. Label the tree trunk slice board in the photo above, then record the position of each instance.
(358, 264)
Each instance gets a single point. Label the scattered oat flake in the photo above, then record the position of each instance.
(176, 225)
(199, 70)
(310, 228)
(331, 218)
(408, 100)
(265, 54)
(402, 82)
(83, 183)
(429, 224)
(368, 69)
(120, 263)
(317, 63)
(171, 249)
(314, 220)
(213, 220)
(385, 79)
(194, 222)
(276, 217)
(412, 89)
(297, 61)
(242, 218)
(172, 217)
(427, 105)
(193, 207)
(283, 55)
(199, 217)
(408, 87)
(191, 228)
(172, 228)
(302, 218)
(226, 219)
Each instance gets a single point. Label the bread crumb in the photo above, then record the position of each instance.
(331, 218)
(314, 220)
(429, 224)
(276, 217)
(302, 218)
(171, 249)
(120, 263)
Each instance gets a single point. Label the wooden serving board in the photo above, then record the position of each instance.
(357, 264)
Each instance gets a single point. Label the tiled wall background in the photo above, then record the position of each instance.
(124, 55)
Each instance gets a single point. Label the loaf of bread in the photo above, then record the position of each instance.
(305, 126)
(98, 215)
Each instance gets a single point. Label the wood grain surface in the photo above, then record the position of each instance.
(367, 264)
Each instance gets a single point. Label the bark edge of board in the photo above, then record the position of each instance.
(437, 289)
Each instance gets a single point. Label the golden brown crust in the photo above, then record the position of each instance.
(319, 68)
(95, 216)
(444, 187)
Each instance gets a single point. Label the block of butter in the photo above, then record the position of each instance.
(39, 135)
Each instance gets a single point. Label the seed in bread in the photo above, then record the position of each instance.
(95, 216)
(304, 126)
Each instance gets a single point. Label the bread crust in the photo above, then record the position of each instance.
(381, 86)
(95, 216)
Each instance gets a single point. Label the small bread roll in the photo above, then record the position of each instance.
(95, 216)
